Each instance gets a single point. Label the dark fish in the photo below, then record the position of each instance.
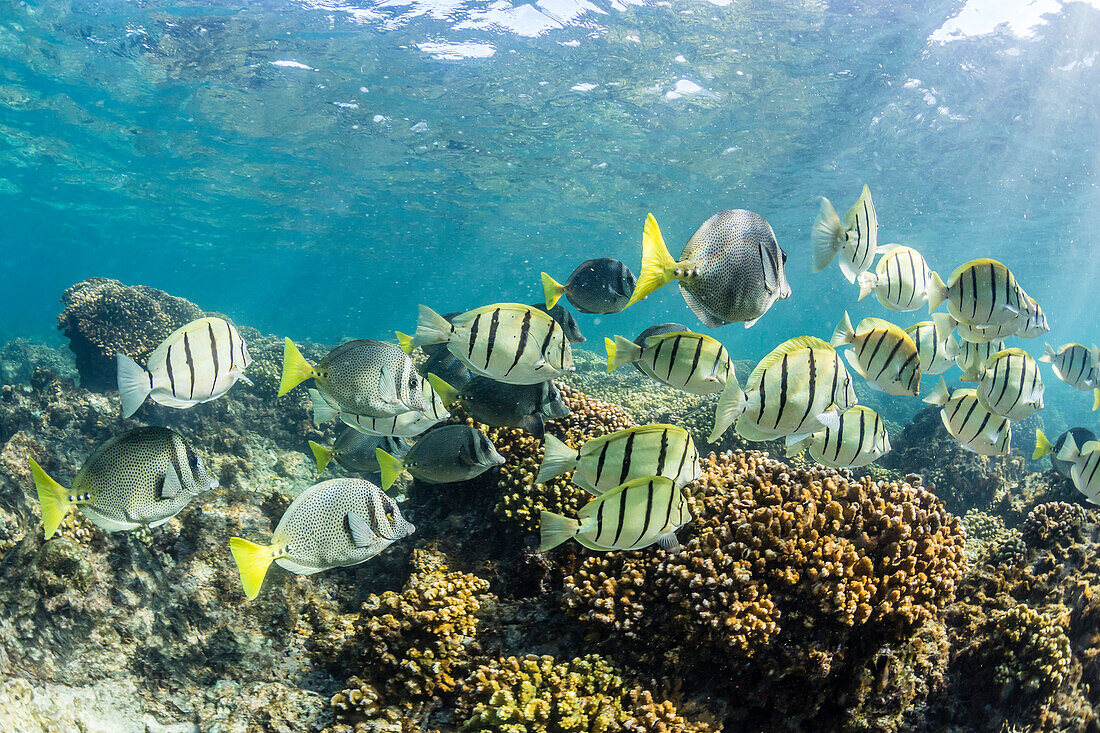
(526, 406)
(1081, 436)
(731, 269)
(355, 451)
(446, 366)
(565, 319)
(596, 286)
(446, 454)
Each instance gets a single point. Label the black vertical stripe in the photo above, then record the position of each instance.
(229, 335)
(628, 450)
(782, 391)
(473, 336)
(493, 324)
(657, 354)
(974, 297)
(683, 457)
(622, 516)
(868, 362)
(695, 360)
(672, 358)
(171, 376)
(862, 434)
(524, 332)
(839, 439)
(546, 341)
(190, 365)
(600, 462)
(599, 523)
(648, 512)
(214, 354)
(661, 455)
(889, 358)
(812, 387)
(992, 290)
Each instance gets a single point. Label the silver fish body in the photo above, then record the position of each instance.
(1074, 364)
(859, 439)
(900, 280)
(854, 241)
(975, 428)
(936, 347)
(693, 362)
(1011, 385)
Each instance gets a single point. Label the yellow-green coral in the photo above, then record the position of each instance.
(540, 695)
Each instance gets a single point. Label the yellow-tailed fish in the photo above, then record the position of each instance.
(199, 362)
(900, 279)
(355, 450)
(882, 353)
(861, 438)
(795, 390)
(1085, 472)
(982, 293)
(1081, 436)
(855, 239)
(1076, 365)
(406, 425)
(731, 270)
(610, 460)
(637, 514)
(693, 362)
(444, 455)
(364, 377)
(332, 524)
(596, 286)
(508, 342)
(143, 477)
(1011, 385)
(936, 347)
(972, 358)
(975, 428)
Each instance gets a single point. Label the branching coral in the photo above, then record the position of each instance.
(539, 695)
(1054, 524)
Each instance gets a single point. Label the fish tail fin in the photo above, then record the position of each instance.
(844, 332)
(657, 263)
(1049, 354)
(730, 406)
(447, 394)
(52, 496)
(391, 468)
(321, 454)
(1042, 445)
(937, 292)
(295, 368)
(828, 235)
(868, 282)
(134, 384)
(552, 290)
(940, 394)
(405, 341)
(1096, 399)
(431, 328)
(945, 323)
(621, 351)
(252, 561)
(557, 459)
(555, 529)
(323, 410)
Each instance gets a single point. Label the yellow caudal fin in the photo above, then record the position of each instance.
(391, 468)
(1042, 445)
(321, 454)
(1096, 399)
(295, 368)
(405, 341)
(252, 561)
(552, 290)
(657, 263)
(448, 395)
(52, 496)
(555, 529)
(621, 351)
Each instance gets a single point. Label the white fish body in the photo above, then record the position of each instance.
(900, 280)
(882, 353)
(1085, 473)
(981, 292)
(1011, 385)
(936, 347)
(861, 438)
(855, 239)
(1074, 364)
(975, 428)
(198, 362)
(404, 425)
(693, 362)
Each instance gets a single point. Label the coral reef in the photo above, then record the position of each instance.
(785, 569)
(103, 317)
(1053, 525)
(20, 358)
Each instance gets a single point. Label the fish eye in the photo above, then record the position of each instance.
(412, 382)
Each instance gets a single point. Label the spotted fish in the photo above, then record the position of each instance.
(610, 460)
(596, 286)
(406, 425)
(198, 363)
(861, 438)
(855, 239)
(693, 362)
(975, 428)
(446, 454)
(508, 342)
(1011, 385)
(882, 353)
(900, 279)
(332, 524)
(731, 270)
(364, 377)
(143, 477)
(637, 514)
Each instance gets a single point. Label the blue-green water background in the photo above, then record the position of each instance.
(172, 144)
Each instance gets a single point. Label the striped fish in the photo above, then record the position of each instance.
(197, 363)
(611, 460)
(406, 425)
(882, 353)
(860, 439)
(1026, 324)
(982, 292)
(1011, 385)
(795, 390)
(900, 279)
(977, 429)
(508, 342)
(634, 515)
(693, 362)
(1074, 364)
(972, 358)
(1085, 473)
(855, 239)
(936, 347)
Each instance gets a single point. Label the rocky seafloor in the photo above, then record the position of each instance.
(938, 591)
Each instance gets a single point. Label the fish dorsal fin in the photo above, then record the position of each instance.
(973, 263)
(873, 323)
(659, 337)
(361, 534)
(161, 352)
(1089, 447)
(171, 488)
(787, 347)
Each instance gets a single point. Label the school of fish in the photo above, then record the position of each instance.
(498, 362)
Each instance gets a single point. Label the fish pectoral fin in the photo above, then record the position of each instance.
(246, 380)
(535, 425)
(585, 484)
(1011, 309)
(361, 534)
(539, 364)
(850, 357)
(387, 388)
(750, 324)
(153, 525)
(830, 418)
(668, 542)
(171, 487)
